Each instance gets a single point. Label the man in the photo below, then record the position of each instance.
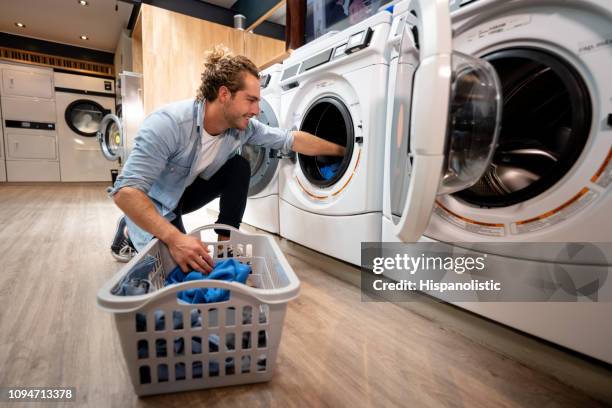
(184, 156)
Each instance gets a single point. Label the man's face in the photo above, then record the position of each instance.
(240, 107)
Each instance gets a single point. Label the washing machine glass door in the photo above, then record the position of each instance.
(262, 160)
(111, 138)
(84, 117)
(446, 116)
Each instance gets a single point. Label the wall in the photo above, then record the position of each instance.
(173, 47)
(262, 49)
(137, 46)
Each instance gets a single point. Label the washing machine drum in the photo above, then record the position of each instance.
(546, 122)
(110, 137)
(83, 117)
(262, 160)
(329, 119)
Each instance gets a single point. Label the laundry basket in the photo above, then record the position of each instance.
(170, 345)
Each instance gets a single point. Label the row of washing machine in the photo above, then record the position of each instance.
(50, 119)
(490, 123)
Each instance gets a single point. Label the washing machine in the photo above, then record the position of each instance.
(262, 202)
(116, 134)
(548, 176)
(81, 102)
(335, 88)
(28, 122)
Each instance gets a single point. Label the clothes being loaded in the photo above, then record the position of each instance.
(329, 171)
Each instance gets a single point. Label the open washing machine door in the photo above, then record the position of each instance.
(446, 118)
(110, 137)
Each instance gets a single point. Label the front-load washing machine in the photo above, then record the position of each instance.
(81, 103)
(116, 134)
(335, 88)
(548, 179)
(262, 203)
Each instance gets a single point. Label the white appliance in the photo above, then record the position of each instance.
(550, 174)
(82, 101)
(116, 134)
(335, 87)
(2, 161)
(28, 122)
(262, 202)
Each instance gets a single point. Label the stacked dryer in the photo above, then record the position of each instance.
(335, 88)
(547, 177)
(28, 124)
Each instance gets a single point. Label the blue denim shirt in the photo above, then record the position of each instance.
(166, 148)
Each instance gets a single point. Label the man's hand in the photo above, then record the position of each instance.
(190, 253)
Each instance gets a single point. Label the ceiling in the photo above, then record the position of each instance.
(64, 21)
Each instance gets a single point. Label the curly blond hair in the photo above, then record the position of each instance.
(223, 68)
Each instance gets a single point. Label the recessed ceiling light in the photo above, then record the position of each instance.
(83, 2)
(84, 37)
(20, 25)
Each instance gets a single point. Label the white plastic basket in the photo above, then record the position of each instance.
(177, 352)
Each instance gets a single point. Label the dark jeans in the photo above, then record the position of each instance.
(230, 183)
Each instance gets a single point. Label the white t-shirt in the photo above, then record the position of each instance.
(208, 151)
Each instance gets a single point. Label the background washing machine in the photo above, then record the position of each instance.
(335, 88)
(262, 203)
(28, 122)
(116, 134)
(550, 174)
(82, 101)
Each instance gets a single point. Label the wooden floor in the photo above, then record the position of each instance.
(336, 351)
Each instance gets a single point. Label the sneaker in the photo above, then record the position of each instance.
(122, 248)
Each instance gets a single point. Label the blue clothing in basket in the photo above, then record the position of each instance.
(229, 270)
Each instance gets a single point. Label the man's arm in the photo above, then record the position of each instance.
(154, 143)
(286, 140)
(188, 251)
(311, 145)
